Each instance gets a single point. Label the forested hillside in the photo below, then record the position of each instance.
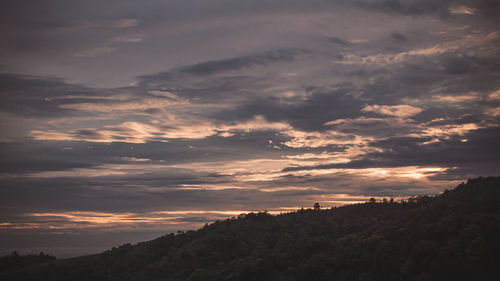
(452, 236)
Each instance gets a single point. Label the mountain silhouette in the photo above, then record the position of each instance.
(451, 236)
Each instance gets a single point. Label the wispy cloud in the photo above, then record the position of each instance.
(402, 111)
(461, 10)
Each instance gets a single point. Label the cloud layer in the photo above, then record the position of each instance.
(127, 123)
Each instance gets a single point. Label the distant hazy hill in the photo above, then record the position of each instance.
(453, 236)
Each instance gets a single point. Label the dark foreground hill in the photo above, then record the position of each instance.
(453, 236)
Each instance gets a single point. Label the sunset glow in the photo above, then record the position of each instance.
(135, 120)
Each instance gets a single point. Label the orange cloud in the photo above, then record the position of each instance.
(401, 111)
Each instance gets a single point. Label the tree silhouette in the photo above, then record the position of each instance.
(317, 206)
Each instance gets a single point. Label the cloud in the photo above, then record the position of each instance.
(128, 39)
(461, 10)
(212, 67)
(446, 47)
(373, 128)
(428, 7)
(123, 23)
(398, 36)
(223, 65)
(401, 111)
(494, 111)
(403, 151)
(394, 58)
(405, 7)
(456, 98)
(90, 53)
(304, 113)
(133, 132)
(321, 139)
(337, 40)
(172, 128)
(128, 105)
(226, 134)
(111, 44)
(41, 97)
(494, 95)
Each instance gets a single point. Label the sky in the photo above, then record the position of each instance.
(125, 120)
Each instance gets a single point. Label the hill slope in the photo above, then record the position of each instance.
(453, 236)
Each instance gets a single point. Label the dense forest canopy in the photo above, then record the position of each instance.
(451, 236)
